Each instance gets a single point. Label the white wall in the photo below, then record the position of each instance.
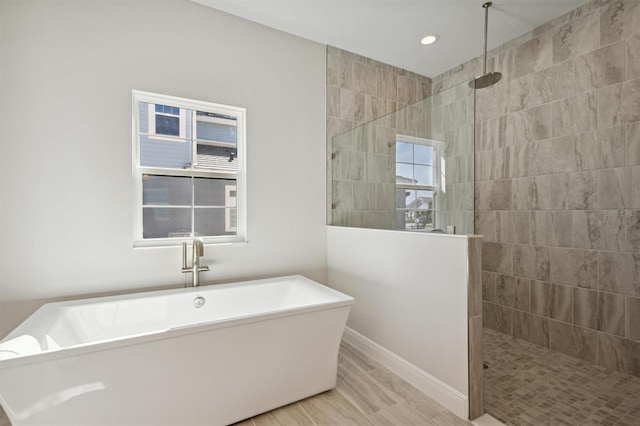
(411, 295)
(67, 71)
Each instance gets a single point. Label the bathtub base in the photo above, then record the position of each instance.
(210, 377)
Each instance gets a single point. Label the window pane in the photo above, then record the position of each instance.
(404, 173)
(424, 175)
(154, 152)
(166, 190)
(162, 222)
(216, 127)
(404, 152)
(424, 219)
(210, 222)
(410, 220)
(215, 192)
(424, 200)
(167, 125)
(423, 154)
(217, 157)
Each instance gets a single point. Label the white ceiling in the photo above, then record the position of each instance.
(390, 30)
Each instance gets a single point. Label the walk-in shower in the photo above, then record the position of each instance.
(412, 169)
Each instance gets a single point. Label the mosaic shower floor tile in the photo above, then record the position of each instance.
(526, 384)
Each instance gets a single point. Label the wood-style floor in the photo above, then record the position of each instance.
(366, 394)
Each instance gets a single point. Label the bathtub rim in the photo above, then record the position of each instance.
(84, 348)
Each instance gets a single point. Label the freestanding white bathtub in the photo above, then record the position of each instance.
(156, 359)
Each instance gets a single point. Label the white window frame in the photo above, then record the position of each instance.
(194, 171)
(152, 125)
(438, 174)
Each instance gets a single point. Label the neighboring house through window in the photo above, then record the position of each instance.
(188, 170)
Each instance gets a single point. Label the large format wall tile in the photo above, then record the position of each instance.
(572, 340)
(599, 311)
(489, 286)
(619, 273)
(529, 125)
(364, 77)
(633, 57)
(576, 38)
(553, 156)
(633, 231)
(541, 87)
(505, 290)
(619, 19)
(578, 268)
(532, 328)
(614, 188)
(552, 228)
(600, 68)
(497, 317)
(339, 72)
(611, 314)
(525, 194)
(561, 303)
(582, 191)
(633, 144)
(576, 114)
(632, 326)
(619, 104)
(601, 149)
(497, 257)
(619, 354)
(531, 262)
(585, 307)
(552, 191)
(495, 195)
(635, 189)
(541, 298)
(533, 55)
(513, 226)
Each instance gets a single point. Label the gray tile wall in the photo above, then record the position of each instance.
(475, 339)
(361, 163)
(558, 184)
(452, 122)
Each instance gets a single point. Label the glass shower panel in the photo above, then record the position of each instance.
(408, 170)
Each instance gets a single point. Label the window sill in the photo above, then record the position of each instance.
(174, 242)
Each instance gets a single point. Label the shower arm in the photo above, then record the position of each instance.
(486, 30)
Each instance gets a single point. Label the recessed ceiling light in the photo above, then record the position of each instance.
(429, 39)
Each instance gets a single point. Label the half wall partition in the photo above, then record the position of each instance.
(412, 169)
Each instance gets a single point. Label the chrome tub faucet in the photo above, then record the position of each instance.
(195, 268)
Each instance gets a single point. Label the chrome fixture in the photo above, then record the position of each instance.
(195, 268)
(486, 79)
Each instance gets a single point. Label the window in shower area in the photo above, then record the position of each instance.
(417, 182)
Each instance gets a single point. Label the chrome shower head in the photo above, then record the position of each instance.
(486, 80)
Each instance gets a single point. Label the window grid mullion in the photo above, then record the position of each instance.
(193, 204)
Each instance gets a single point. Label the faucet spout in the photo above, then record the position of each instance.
(195, 268)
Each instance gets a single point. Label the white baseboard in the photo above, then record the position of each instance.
(453, 400)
